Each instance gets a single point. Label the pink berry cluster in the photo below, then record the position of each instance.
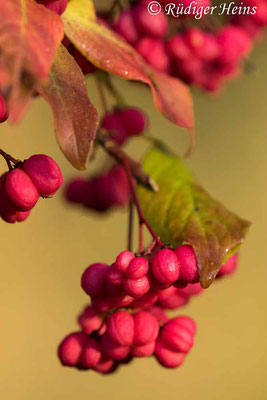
(105, 343)
(21, 187)
(101, 192)
(137, 281)
(199, 55)
(143, 286)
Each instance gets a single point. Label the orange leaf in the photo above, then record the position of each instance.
(110, 52)
(75, 118)
(29, 37)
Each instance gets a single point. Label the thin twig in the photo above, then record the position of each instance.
(142, 219)
(130, 225)
(9, 157)
(113, 149)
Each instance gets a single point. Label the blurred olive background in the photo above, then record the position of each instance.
(42, 260)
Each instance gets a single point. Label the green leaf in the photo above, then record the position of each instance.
(183, 212)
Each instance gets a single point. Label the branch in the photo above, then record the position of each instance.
(114, 150)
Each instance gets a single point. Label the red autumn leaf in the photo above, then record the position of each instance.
(75, 118)
(110, 52)
(29, 37)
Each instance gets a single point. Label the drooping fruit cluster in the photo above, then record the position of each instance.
(21, 187)
(144, 286)
(105, 343)
(202, 56)
(100, 192)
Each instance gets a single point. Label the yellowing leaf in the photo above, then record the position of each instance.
(110, 52)
(183, 212)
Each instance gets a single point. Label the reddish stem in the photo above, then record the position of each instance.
(130, 226)
(142, 219)
(141, 237)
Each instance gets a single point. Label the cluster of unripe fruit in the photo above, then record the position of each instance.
(144, 286)
(200, 56)
(22, 186)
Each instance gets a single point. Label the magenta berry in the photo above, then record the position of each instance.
(187, 260)
(105, 365)
(146, 328)
(113, 276)
(120, 328)
(91, 353)
(71, 348)
(150, 25)
(124, 122)
(158, 313)
(178, 48)
(234, 42)
(112, 349)
(167, 357)
(171, 298)
(45, 174)
(154, 52)
(229, 267)
(126, 27)
(123, 260)
(134, 120)
(89, 320)
(113, 123)
(136, 287)
(121, 299)
(58, 6)
(187, 322)
(191, 289)
(20, 190)
(177, 335)
(3, 110)
(146, 300)
(165, 266)
(84, 64)
(144, 350)
(202, 44)
(93, 279)
(78, 190)
(137, 268)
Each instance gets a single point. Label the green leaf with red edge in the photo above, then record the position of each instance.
(75, 118)
(29, 37)
(183, 212)
(110, 52)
